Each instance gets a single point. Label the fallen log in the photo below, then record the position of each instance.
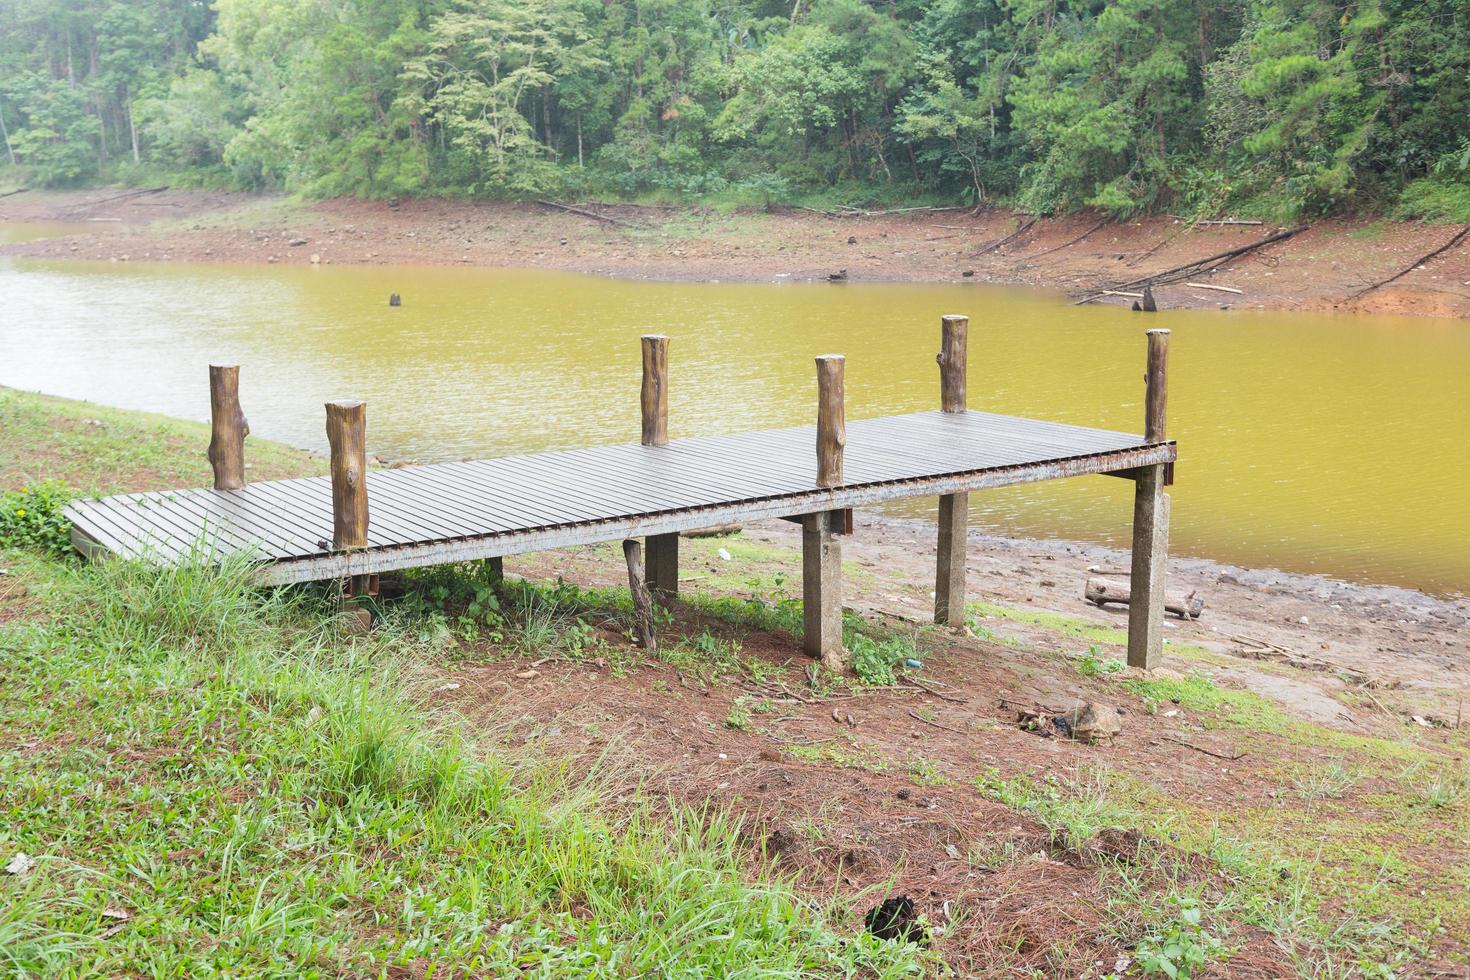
(1207, 264)
(1009, 238)
(1100, 592)
(1072, 242)
(117, 197)
(1162, 242)
(19, 190)
(1223, 289)
(1454, 240)
(572, 209)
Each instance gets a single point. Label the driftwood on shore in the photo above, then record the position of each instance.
(843, 211)
(1025, 227)
(18, 190)
(573, 209)
(1190, 269)
(118, 197)
(1074, 241)
(1454, 240)
(1100, 592)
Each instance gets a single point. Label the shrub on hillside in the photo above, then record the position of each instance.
(31, 518)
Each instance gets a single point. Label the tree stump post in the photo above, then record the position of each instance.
(497, 570)
(831, 419)
(228, 428)
(642, 601)
(655, 394)
(1150, 521)
(347, 437)
(663, 549)
(954, 508)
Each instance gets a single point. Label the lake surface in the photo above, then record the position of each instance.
(1332, 444)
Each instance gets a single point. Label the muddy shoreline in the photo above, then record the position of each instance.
(1319, 269)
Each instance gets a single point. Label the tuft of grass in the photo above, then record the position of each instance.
(215, 781)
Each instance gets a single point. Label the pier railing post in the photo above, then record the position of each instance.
(347, 437)
(831, 419)
(1150, 521)
(663, 549)
(954, 508)
(821, 549)
(228, 428)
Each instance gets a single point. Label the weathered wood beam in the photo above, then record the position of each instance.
(821, 588)
(347, 437)
(831, 419)
(228, 427)
(642, 601)
(954, 508)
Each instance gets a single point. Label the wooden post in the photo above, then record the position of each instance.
(954, 508)
(1156, 380)
(228, 428)
(831, 419)
(663, 549)
(1150, 520)
(347, 436)
(642, 602)
(655, 397)
(821, 588)
(952, 358)
(497, 570)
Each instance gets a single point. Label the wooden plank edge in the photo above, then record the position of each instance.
(378, 560)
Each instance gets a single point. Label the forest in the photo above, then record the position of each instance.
(1271, 108)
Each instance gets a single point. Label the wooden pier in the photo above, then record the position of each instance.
(357, 523)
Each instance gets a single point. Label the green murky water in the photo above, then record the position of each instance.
(1330, 444)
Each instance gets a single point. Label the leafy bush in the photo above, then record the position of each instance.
(31, 518)
(876, 661)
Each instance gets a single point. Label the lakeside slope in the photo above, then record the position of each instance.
(1322, 268)
(1272, 806)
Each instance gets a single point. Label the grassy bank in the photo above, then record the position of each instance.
(199, 778)
(207, 778)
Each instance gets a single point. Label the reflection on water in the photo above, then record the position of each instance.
(1319, 443)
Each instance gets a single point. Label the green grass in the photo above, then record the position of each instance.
(1067, 626)
(259, 795)
(100, 450)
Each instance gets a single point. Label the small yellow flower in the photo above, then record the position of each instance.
(20, 512)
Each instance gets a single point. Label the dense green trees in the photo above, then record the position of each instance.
(1276, 106)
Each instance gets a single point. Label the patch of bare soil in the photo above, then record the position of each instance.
(884, 792)
(1324, 267)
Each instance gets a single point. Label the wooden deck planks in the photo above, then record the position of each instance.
(603, 490)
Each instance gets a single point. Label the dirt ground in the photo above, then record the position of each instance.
(895, 791)
(1321, 268)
